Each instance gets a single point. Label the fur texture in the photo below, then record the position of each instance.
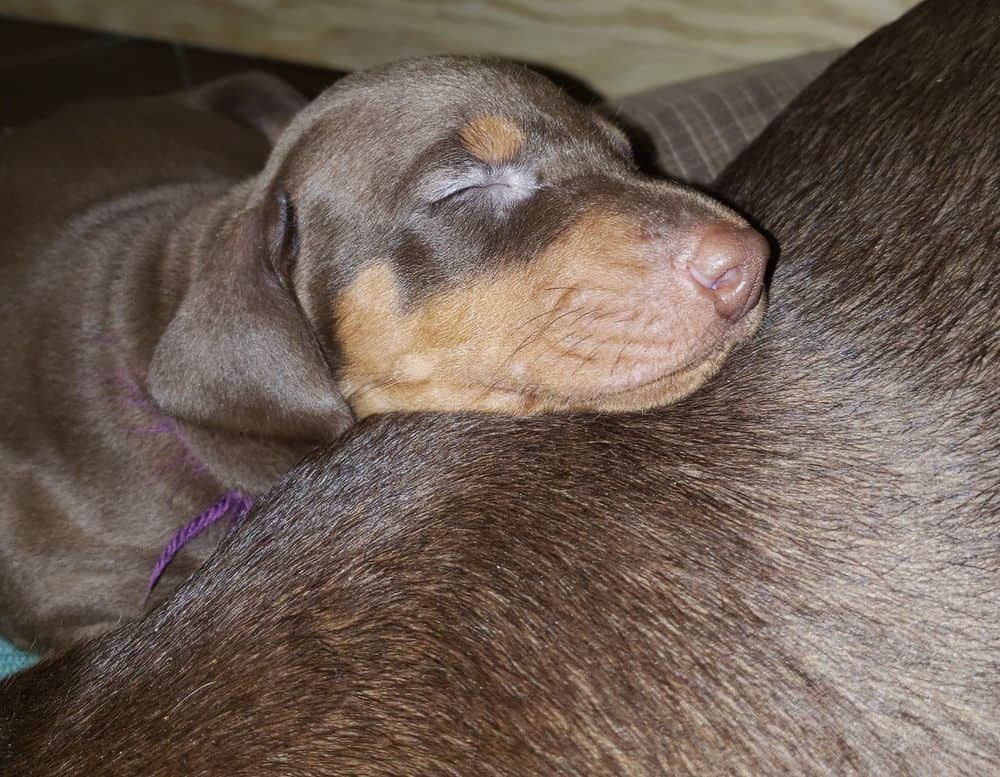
(795, 572)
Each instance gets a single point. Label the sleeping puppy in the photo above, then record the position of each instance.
(188, 309)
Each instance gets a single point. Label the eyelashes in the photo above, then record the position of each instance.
(500, 189)
(487, 190)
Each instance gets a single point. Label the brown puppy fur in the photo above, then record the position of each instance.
(441, 234)
(793, 573)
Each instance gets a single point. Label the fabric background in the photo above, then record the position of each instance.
(13, 660)
(696, 127)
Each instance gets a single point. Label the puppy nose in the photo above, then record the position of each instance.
(728, 265)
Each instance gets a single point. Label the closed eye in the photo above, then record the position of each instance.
(503, 188)
(500, 189)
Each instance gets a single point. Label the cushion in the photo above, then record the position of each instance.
(694, 128)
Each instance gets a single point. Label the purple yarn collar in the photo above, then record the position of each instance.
(234, 503)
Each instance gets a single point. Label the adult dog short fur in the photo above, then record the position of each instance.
(187, 310)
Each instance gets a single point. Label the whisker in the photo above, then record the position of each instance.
(618, 359)
(555, 306)
(535, 318)
(589, 288)
(367, 388)
(532, 336)
(569, 351)
(570, 327)
(588, 360)
(586, 313)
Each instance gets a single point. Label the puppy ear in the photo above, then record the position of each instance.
(258, 101)
(240, 355)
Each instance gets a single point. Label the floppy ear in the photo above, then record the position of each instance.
(256, 100)
(239, 354)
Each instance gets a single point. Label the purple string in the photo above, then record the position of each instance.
(233, 501)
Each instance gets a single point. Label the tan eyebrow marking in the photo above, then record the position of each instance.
(492, 139)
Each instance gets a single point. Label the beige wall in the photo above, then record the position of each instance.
(618, 46)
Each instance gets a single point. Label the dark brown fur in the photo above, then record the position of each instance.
(176, 292)
(793, 573)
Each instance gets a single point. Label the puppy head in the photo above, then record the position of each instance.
(459, 234)
(468, 236)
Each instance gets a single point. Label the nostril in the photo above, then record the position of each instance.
(729, 278)
(728, 266)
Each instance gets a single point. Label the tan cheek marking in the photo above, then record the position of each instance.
(430, 358)
(372, 334)
(492, 139)
(447, 352)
